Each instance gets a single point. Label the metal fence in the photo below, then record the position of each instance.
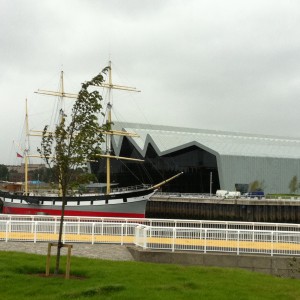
(171, 235)
(77, 232)
(218, 240)
(202, 224)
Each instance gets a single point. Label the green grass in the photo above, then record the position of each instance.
(283, 196)
(100, 279)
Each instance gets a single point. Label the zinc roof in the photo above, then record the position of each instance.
(167, 139)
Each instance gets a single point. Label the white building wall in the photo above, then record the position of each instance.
(275, 174)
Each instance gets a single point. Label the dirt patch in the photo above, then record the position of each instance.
(60, 276)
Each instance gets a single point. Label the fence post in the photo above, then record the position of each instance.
(9, 225)
(276, 234)
(151, 227)
(137, 235)
(205, 239)
(78, 227)
(55, 225)
(32, 225)
(64, 233)
(93, 233)
(238, 243)
(122, 235)
(272, 242)
(226, 231)
(127, 229)
(174, 238)
(6, 231)
(145, 238)
(34, 235)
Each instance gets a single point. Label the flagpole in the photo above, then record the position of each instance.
(26, 157)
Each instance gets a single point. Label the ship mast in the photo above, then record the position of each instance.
(110, 86)
(61, 94)
(108, 136)
(26, 149)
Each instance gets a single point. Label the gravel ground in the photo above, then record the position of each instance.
(100, 251)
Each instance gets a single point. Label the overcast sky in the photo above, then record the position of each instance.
(229, 65)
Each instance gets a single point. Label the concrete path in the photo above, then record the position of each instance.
(100, 251)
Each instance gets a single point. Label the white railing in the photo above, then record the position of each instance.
(209, 239)
(202, 224)
(78, 232)
(131, 188)
(218, 240)
(214, 196)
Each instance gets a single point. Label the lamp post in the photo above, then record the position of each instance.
(210, 184)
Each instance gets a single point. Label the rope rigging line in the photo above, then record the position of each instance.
(135, 176)
(153, 163)
(171, 163)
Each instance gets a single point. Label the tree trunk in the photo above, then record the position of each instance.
(59, 243)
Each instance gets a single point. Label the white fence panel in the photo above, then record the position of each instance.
(162, 222)
(218, 240)
(203, 237)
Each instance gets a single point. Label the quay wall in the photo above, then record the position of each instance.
(274, 265)
(247, 210)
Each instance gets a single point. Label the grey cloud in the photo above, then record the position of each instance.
(230, 65)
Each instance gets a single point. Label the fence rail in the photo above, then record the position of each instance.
(161, 222)
(77, 232)
(171, 235)
(218, 240)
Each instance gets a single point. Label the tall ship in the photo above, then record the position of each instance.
(128, 202)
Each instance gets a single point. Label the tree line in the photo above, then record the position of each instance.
(47, 175)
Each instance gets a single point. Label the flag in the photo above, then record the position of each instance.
(19, 155)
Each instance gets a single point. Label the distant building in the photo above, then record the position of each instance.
(21, 168)
(234, 161)
(17, 172)
(12, 187)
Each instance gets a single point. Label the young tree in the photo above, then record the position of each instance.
(293, 186)
(3, 172)
(256, 186)
(75, 141)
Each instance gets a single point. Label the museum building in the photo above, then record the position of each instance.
(209, 159)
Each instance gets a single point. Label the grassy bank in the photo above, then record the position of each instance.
(20, 278)
(282, 196)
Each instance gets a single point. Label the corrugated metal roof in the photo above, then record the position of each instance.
(166, 139)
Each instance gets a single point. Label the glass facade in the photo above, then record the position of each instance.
(197, 165)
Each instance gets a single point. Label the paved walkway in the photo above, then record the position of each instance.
(100, 251)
